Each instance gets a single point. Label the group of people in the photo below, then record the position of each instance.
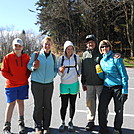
(102, 72)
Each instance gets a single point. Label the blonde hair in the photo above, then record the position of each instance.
(104, 43)
(47, 39)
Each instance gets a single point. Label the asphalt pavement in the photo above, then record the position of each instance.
(80, 115)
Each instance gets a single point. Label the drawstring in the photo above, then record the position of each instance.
(20, 61)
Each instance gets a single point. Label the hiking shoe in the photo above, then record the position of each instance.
(6, 128)
(116, 132)
(38, 131)
(62, 127)
(70, 127)
(89, 126)
(21, 127)
(46, 131)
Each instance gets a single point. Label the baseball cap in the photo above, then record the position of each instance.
(90, 37)
(17, 41)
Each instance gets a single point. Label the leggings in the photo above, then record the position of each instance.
(64, 105)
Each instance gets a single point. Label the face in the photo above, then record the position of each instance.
(69, 50)
(47, 45)
(91, 44)
(17, 48)
(105, 49)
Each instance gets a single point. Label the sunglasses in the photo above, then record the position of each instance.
(104, 46)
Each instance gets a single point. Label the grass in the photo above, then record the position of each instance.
(129, 62)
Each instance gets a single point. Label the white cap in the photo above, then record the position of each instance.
(68, 43)
(17, 41)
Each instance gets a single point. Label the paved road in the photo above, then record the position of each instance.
(80, 116)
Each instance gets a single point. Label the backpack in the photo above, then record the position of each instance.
(62, 61)
(37, 54)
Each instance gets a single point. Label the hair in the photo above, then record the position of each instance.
(104, 43)
(47, 39)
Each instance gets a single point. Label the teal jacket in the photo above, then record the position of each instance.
(114, 72)
(47, 70)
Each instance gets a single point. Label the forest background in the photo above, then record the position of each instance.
(73, 20)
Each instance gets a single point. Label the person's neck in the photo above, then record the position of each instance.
(68, 56)
(18, 54)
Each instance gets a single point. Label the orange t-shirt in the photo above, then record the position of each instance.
(14, 69)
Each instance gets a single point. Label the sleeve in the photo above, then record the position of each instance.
(28, 72)
(83, 77)
(59, 65)
(56, 66)
(30, 63)
(124, 75)
(79, 65)
(5, 70)
(99, 71)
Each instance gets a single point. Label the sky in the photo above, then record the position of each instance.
(15, 15)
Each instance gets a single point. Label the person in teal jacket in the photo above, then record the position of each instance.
(43, 65)
(115, 77)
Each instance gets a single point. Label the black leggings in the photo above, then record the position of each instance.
(64, 104)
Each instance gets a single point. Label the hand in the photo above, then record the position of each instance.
(84, 87)
(123, 97)
(117, 55)
(36, 64)
(61, 69)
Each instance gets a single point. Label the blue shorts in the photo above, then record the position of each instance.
(15, 93)
(69, 88)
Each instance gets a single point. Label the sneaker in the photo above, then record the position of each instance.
(62, 127)
(89, 126)
(21, 126)
(38, 131)
(116, 132)
(6, 128)
(46, 131)
(70, 127)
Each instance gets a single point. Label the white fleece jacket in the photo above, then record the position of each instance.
(71, 76)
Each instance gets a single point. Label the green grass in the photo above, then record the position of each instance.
(128, 62)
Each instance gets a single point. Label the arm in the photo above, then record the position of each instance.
(123, 73)
(30, 63)
(79, 65)
(5, 69)
(99, 71)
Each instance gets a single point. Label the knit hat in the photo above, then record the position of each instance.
(68, 43)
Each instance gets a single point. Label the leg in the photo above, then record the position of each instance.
(21, 116)
(72, 111)
(9, 111)
(91, 103)
(118, 110)
(21, 107)
(47, 106)
(104, 101)
(72, 105)
(64, 104)
(37, 92)
(8, 116)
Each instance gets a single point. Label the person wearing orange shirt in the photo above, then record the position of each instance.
(14, 69)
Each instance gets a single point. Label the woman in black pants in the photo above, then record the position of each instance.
(69, 86)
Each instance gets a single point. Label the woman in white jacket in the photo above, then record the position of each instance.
(69, 70)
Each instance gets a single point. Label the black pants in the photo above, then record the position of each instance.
(107, 94)
(64, 105)
(42, 94)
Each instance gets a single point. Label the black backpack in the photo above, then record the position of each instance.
(62, 61)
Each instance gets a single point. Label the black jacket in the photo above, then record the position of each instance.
(89, 60)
